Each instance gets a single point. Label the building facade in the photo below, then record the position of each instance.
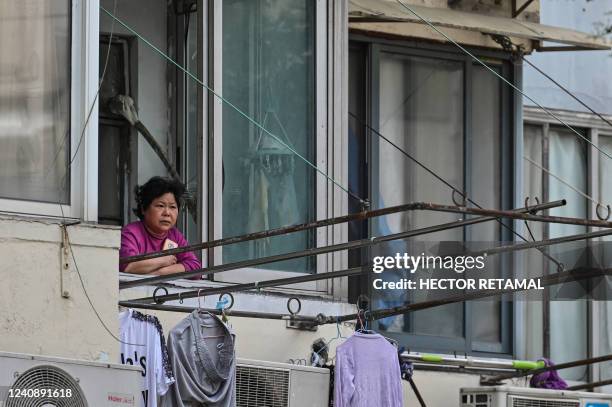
(343, 86)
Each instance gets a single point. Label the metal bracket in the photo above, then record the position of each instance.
(64, 260)
(507, 45)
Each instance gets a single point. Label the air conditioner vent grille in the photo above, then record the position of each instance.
(45, 385)
(261, 387)
(541, 402)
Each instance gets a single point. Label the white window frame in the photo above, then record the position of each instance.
(331, 147)
(83, 87)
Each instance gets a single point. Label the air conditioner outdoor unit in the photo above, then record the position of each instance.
(270, 384)
(505, 396)
(29, 380)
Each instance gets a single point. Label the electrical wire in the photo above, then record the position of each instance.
(475, 58)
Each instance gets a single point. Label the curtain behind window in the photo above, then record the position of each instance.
(605, 197)
(569, 318)
(421, 111)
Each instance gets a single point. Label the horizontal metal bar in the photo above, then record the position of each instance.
(274, 232)
(422, 206)
(591, 385)
(241, 314)
(566, 48)
(542, 243)
(522, 216)
(250, 286)
(493, 380)
(320, 250)
(577, 274)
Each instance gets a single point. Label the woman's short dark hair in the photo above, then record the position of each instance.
(154, 188)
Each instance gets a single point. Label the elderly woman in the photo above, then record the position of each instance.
(157, 207)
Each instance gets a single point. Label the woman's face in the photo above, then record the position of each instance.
(161, 215)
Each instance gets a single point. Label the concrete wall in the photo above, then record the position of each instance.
(150, 86)
(34, 317)
(585, 73)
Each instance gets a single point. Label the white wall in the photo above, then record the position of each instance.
(34, 317)
(587, 74)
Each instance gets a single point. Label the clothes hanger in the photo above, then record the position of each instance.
(315, 357)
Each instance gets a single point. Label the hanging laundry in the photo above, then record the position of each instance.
(548, 380)
(201, 350)
(367, 372)
(143, 345)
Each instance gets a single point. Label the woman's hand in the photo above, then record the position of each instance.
(166, 261)
(151, 265)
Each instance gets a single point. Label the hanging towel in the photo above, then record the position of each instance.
(201, 350)
(548, 380)
(367, 373)
(136, 329)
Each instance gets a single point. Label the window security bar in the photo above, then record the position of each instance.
(578, 274)
(311, 225)
(363, 215)
(494, 214)
(402, 235)
(358, 270)
(573, 275)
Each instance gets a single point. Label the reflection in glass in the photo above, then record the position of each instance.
(268, 72)
(35, 99)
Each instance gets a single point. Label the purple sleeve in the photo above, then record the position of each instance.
(129, 245)
(344, 386)
(187, 259)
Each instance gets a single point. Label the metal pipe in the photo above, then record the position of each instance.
(250, 286)
(494, 380)
(470, 361)
(244, 314)
(548, 280)
(591, 385)
(275, 232)
(542, 243)
(318, 250)
(515, 215)
(325, 222)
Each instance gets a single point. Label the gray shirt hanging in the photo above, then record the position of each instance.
(201, 350)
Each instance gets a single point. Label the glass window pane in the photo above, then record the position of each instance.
(532, 259)
(35, 99)
(605, 197)
(568, 319)
(268, 72)
(421, 111)
(485, 188)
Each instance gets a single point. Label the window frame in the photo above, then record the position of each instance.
(84, 48)
(594, 129)
(328, 154)
(373, 48)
